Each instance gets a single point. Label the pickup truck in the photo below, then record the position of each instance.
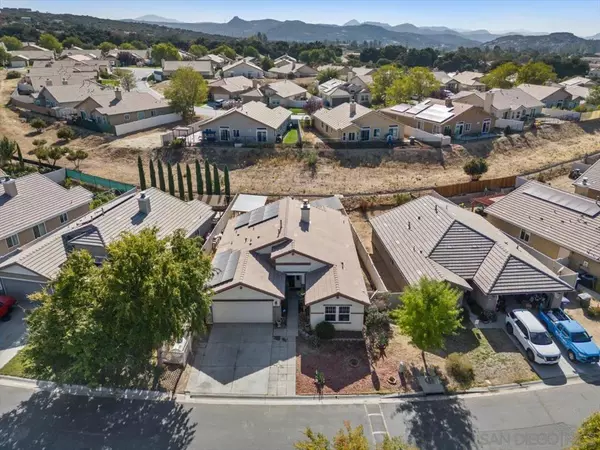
(572, 335)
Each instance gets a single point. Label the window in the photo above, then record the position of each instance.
(447, 130)
(435, 129)
(419, 124)
(352, 136)
(39, 230)
(467, 127)
(236, 133)
(141, 115)
(365, 134)
(343, 136)
(224, 134)
(393, 131)
(376, 132)
(522, 328)
(12, 241)
(524, 236)
(152, 113)
(261, 134)
(337, 313)
(64, 218)
(327, 128)
(518, 114)
(126, 117)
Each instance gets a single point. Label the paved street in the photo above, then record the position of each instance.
(537, 419)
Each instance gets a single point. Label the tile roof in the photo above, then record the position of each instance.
(431, 110)
(258, 111)
(363, 71)
(198, 66)
(327, 239)
(468, 78)
(578, 91)
(61, 79)
(33, 54)
(512, 99)
(130, 102)
(95, 53)
(232, 84)
(540, 92)
(591, 176)
(214, 58)
(106, 224)
(575, 81)
(241, 61)
(339, 118)
(286, 88)
(442, 77)
(77, 92)
(38, 199)
(569, 220)
(439, 240)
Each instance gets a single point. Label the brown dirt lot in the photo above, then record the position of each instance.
(287, 172)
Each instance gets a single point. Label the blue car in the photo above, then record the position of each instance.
(572, 335)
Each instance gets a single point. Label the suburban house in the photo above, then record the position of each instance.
(446, 81)
(24, 58)
(244, 69)
(333, 93)
(292, 70)
(89, 54)
(579, 94)
(35, 82)
(252, 122)
(129, 57)
(561, 225)
(218, 61)
(360, 85)
(434, 238)
(579, 81)
(229, 88)
(361, 71)
(33, 47)
(469, 81)
(588, 184)
(33, 266)
(342, 71)
(550, 96)
(204, 68)
(69, 96)
(350, 122)
(34, 205)
(443, 117)
(289, 245)
(284, 60)
(503, 103)
(115, 107)
(98, 65)
(285, 93)
(253, 95)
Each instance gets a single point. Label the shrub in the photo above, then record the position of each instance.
(66, 133)
(177, 143)
(311, 160)
(38, 124)
(476, 167)
(594, 311)
(325, 330)
(13, 74)
(588, 434)
(401, 199)
(460, 368)
(580, 108)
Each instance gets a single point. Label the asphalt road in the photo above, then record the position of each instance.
(542, 419)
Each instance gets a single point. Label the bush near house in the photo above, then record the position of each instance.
(325, 330)
(460, 368)
(13, 74)
(475, 168)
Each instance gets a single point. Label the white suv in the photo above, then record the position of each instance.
(532, 335)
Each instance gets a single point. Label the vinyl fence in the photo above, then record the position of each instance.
(515, 125)
(562, 114)
(146, 123)
(435, 140)
(476, 186)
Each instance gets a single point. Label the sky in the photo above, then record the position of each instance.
(581, 17)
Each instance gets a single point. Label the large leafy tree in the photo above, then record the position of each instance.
(186, 90)
(72, 41)
(327, 74)
(198, 50)
(128, 46)
(5, 57)
(499, 77)
(594, 96)
(8, 149)
(382, 80)
(225, 50)
(50, 42)
(126, 78)
(11, 43)
(166, 51)
(535, 73)
(251, 51)
(418, 82)
(102, 325)
(588, 434)
(106, 47)
(429, 313)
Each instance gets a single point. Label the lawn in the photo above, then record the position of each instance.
(291, 137)
(15, 367)
(115, 83)
(297, 110)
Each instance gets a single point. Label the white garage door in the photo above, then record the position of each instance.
(231, 311)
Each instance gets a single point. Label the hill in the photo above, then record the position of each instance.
(154, 18)
(564, 43)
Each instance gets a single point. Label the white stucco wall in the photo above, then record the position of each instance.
(242, 293)
(357, 311)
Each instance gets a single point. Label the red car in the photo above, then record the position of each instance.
(6, 305)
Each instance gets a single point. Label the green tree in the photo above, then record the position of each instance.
(499, 77)
(217, 189)
(328, 74)
(8, 149)
(171, 180)
(152, 174)
(50, 42)
(11, 43)
(106, 47)
(535, 73)
(188, 179)
(41, 153)
(166, 51)
(20, 156)
(102, 325)
(38, 124)
(594, 96)
(422, 83)
(588, 434)
(141, 173)
(198, 50)
(5, 61)
(266, 63)
(139, 45)
(347, 438)
(126, 78)
(251, 51)
(76, 157)
(382, 80)
(180, 185)
(207, 178)
(65, 133)
(399, 92)
(186, 90)
(127, 46)
(429, 313)
(226, 181)
(161, 177)
(225, 50)
(199, 183)
(475, 168)
(56, 153)
(72, 41)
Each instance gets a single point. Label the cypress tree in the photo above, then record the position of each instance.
(152, 175)
(180, 187)
(20, 155)
(207, 178)
(161, 177)
(141, 174)
(226, 180)
(188, 176)
(199, 183)
(170, 178)
(217, 180)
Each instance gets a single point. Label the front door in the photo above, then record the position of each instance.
(459, 129)
(486, 126)
(365, 134)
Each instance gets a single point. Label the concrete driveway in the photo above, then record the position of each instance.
(13, 333)
(245, 359)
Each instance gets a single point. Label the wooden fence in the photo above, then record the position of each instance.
(471, 187)
(592, 115)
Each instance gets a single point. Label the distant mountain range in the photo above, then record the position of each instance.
(565, 43)
(152, 18)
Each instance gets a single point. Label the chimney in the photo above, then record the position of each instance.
(488, 102)
(118, 94)
(305, 211)
(255, 83)
(293, 65)
(352, 108)
(449, 103)
(48, 82)
(64, 82)
(10, 186)
(350, 76)
(144, 203)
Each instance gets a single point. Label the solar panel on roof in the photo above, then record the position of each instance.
(419, 107)
(401, 108)
(436, 113)
(224, 266)
(581, 205)
(243, 220)
(265, 213)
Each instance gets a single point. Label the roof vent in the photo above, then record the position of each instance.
(305, 211)
(144, 203)
(10, 186)
(584, 181)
